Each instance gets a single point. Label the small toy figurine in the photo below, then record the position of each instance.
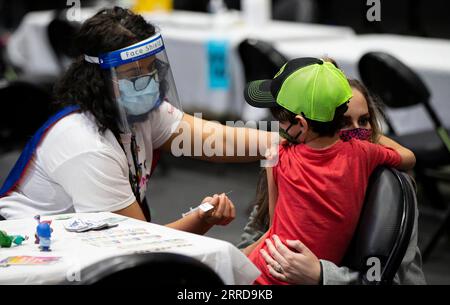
(7, 240)
(43, 234)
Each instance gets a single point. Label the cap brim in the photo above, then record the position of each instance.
(257, 93)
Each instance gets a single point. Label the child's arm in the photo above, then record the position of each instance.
(408, 160)
(273, 195)
(273, 192)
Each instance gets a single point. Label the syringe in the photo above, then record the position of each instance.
(205, 207)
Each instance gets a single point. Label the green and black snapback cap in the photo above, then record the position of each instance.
(308, 86)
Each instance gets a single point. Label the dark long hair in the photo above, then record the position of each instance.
(85, 84)
(375, 112)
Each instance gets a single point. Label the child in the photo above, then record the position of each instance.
(361, 122)
(317, 188)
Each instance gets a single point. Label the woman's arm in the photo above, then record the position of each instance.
(198, 222)
(408, 158)
(214, 142)
(132, 211)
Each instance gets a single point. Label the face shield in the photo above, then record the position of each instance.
(140, 79)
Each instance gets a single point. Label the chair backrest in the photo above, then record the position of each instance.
(155, 268)
(60, 33)
(393, 81)
(260, 59)
(385, 226)
(25, 107)
(398, 86)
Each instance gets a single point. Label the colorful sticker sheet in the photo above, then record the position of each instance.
(29, 260)
(134, 239)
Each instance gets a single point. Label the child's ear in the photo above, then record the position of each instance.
(302, 122)
(304, 127)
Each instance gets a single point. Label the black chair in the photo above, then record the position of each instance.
(25, 107)
(260, 59)
(385, 225)
(60, 33)
(152, 269)
(398, 87)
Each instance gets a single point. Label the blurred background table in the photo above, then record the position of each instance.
(187, 36)
(226, 260)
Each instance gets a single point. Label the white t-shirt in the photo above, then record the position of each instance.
(78, 169)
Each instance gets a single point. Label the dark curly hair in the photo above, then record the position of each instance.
(84, 83)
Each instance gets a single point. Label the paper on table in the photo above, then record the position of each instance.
(138, 239)
(29, 260)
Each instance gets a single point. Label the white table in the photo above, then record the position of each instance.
(225, 259)
(428, 57)
(186, 35)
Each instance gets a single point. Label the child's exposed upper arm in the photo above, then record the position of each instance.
(273, 192)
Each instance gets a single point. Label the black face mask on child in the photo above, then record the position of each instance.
(285, 134)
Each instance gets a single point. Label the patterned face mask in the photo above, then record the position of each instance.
(356, 133)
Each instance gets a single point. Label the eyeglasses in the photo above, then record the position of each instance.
(141, 82)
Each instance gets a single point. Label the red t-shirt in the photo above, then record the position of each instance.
(320, 195)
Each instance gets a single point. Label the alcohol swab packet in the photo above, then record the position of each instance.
(76, 225)
(79, 225)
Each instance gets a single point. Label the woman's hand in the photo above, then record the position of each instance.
(300, 267)
(223, 213)
(200, 222)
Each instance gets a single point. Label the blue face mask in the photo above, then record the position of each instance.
(137, 102)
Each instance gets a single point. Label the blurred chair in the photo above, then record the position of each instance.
(260, 59)
(155, 269)
(385, 225)
(60, 33)
(398, 87)
(25, 107)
